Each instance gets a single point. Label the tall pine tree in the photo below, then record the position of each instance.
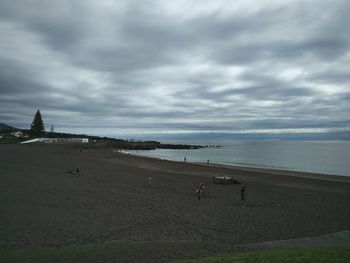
(37, 128)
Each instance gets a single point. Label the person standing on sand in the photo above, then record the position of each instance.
(201, 186)
(243, 193)
(149, 180)
(199, 193)
(200, 189)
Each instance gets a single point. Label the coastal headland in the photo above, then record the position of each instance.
(111, 212)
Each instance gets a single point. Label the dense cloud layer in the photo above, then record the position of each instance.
(134, 68)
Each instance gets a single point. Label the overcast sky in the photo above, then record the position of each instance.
(140, 68)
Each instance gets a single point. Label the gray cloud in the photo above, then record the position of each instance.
(155, 67)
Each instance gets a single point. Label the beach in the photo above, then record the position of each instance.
(111, 199)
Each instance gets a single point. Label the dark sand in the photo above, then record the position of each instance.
(43, 206)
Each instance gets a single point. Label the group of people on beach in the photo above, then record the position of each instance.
(200, 189)
(77, 171)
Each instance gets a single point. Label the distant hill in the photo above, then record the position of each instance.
(7, 127)
(104, 142)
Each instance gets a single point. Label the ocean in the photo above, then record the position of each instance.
(325, 157)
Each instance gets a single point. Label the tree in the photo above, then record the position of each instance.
(37, 128)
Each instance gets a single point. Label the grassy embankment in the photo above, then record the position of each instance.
(10, 140)
(114, 251)
(298, 255)
(109, 252)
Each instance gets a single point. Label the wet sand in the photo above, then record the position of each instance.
(42, 205)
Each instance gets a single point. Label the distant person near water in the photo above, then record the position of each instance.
(149, 180)
(185, 159)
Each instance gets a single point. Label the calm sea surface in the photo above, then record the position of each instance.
(326, 157)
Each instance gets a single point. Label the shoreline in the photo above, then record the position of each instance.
(270, 171)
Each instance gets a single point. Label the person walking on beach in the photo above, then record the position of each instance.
(149, 180)
(200, 189)
(243, 193)
(201, 186)
(199, 193)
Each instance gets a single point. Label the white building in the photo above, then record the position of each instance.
(17, 134)
(57, 140)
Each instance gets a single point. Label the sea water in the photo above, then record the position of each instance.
(325, 157)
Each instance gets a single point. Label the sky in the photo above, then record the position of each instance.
(162, 69)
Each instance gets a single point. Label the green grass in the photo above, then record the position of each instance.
(65, 254)
(298, 255)
(10, 140)
(128, 251)
(115, 251)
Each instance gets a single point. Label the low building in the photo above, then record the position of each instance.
(17, 134)
(57, 140)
